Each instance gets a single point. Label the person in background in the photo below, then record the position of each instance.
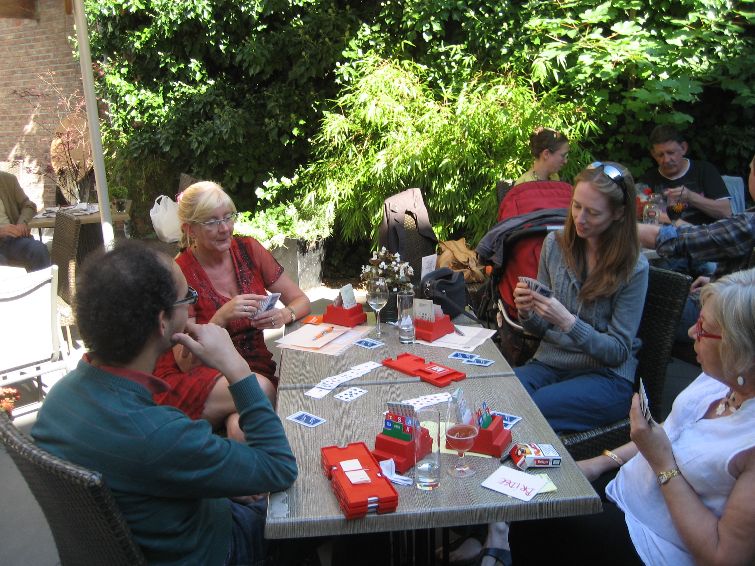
(17, 247)
(187, 494)
(551, 152)
(728, 241)
(681, 492)
(582, 374)
(696, 185)
(232, 275)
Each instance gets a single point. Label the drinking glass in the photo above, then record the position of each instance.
(460, 436)
(377, 296)
(427, 465)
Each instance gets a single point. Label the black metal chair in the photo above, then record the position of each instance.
(667, 292)
(85, 521)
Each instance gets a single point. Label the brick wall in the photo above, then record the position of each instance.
(36, 58)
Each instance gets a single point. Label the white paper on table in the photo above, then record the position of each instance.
(474, 336)
(308, 336)
(514, 483)
(335, 347)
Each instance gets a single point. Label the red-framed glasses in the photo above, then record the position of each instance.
(700, 333)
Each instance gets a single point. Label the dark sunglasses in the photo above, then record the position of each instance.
(191, 298)
(614, 174)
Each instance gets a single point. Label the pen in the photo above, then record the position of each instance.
(323, 333)
(459, 332)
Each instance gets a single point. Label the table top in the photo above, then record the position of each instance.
(309, 507)
(91, 218)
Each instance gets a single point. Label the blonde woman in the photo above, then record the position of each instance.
(582, 374)
(551, 152)
(231, 275)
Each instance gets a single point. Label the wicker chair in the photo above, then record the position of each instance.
(667, 292)
(86, 524)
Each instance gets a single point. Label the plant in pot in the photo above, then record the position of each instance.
(397, 275)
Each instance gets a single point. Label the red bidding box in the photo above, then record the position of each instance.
(356, 500)
(431, 331)
(344, 317)
(402, 451)
(433, 373)
(492, 440)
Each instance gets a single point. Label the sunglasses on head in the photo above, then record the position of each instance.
(614, 174)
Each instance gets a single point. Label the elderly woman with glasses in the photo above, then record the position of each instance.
(581, 375)
(232, 276)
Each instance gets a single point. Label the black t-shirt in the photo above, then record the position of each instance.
(701, 177)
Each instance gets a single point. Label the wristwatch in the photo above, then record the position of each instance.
(663, 477)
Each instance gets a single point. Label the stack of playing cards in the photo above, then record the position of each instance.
(267, 303)
(535, 285)
(644, 404)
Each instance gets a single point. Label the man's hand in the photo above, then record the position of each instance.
(212, 344)
(14, 231)
(698, 284)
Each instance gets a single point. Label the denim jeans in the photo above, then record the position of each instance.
(576, 400)
(25, 252)
(248, 546)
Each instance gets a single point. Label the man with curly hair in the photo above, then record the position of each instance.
(186, 493)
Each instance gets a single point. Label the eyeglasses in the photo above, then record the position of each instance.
(700, 333)
(215, 223)
(191, 298)
(614, 174)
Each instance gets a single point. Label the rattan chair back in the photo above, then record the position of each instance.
(85, 521)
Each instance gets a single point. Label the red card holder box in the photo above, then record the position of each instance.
(433, 373)
(344, 317)
(356, 500)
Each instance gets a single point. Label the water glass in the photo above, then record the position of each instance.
(405, 305)
(427, 467)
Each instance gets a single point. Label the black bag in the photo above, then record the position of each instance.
(446, 288)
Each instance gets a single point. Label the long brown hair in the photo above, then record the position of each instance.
(618, 247)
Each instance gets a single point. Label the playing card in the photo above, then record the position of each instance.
(644, 406)
(369, 343)
(428, 400)
(536, 286)
(306, 419)
(508, 420)
(350, 394)
(463, 356)
(366, 367)
(478, 362)
(267, 303)
(424, 310)
(347, 296)
(317, 392)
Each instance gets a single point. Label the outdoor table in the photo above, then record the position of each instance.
(92, 218)
(309, 507)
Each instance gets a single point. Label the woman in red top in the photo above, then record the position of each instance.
(231, 275)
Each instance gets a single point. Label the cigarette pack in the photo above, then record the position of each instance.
(535, 456)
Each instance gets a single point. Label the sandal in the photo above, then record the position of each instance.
(471, 561)
(501, 555)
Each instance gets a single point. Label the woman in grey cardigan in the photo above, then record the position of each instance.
(582, 374)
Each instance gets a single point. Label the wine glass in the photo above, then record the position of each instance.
(377, 297)
(460, 436)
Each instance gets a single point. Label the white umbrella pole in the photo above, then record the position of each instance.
(85, 60)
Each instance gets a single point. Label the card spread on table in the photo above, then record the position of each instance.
(428, 400)
(514, 483)
(317, 392)
(463, 356)
(350, 394)
(306, 419)
(537, 286)
(357, 371)
(508, 420)
(347, 296)
(478, 362)
(267, 303)
(369, 343)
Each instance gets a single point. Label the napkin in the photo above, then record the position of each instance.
(389, 470)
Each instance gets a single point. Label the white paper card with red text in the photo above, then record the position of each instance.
(514, 483)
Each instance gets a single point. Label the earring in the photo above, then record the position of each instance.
(741, 380)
